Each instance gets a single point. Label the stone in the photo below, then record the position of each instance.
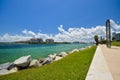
(23, 62)
(34, 63)
(70, 52)
(3, 71)
(52, 56)
(14, 69)
(63, 54)
(74, 50)
(58, 58)
(11, 66)
(40, 60)
(4, 66)
(47, 61)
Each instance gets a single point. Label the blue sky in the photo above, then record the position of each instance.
(45, 16)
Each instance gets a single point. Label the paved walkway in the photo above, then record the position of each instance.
(112, 56)
(99, 69)
(105, 64)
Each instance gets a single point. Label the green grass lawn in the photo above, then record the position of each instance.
(73, 67)
(116, 43)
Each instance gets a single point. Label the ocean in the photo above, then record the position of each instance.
(10, 52)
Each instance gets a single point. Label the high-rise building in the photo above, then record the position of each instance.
(49, 41)
(116, 36)
(36, 40)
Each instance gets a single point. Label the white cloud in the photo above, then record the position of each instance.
(11, 38)
(79, 34)
(28, 32)
(115, 26)
(61, 28)
(43, 36)
(72, 34)
(24, 31)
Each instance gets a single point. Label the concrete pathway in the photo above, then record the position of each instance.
(112, 56)
(99, 69)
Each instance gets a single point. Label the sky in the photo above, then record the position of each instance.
(61, 20)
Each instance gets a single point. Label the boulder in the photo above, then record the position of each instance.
(40, 60)
(23, 62)
(52, 56)
(4, 66)
(34, 63)
(14, 69)
(3, 71)
(12, 65)
(58, 58)
(47, 61)
(63, 54)
(70, 52)
(74, 50)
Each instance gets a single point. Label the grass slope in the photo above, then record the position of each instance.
(116, 43)
(73, 67)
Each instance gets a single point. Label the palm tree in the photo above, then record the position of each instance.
(96, 39)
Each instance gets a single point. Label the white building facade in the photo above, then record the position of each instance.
(116, 36)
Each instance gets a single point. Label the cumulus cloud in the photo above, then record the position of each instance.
(43, 36)
(79, 34)
(115, 26)
(70, 35)
(11, 38)
(28, 32)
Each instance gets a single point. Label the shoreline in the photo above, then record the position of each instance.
(11, 52)
(38, 62)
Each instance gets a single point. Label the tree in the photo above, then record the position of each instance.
(96, 39)
(113, 38)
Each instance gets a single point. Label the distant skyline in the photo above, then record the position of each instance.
(62, 20)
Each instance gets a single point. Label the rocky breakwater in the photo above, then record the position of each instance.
(27, 62)
(23, 62)
(18, 64)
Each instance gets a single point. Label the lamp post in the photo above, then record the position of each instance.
(108, 34)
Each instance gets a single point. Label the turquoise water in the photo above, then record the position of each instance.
(10, 52)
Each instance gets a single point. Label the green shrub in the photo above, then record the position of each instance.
(115, 43)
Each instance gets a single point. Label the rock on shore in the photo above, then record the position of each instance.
(34, 63)
(23, 61)
(27, 62)
(63, 54)
(47, 61)
(74, 50)
(58, 58)
(4, 66)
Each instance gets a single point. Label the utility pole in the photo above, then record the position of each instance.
(108, 34)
